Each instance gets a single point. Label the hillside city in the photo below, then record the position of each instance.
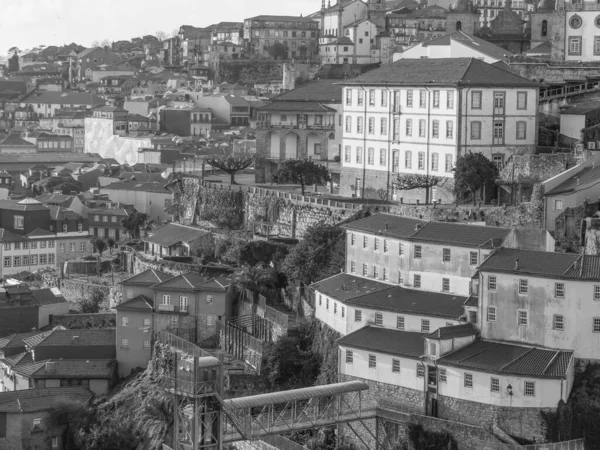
(373, 226)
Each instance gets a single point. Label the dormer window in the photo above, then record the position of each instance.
(433, 349)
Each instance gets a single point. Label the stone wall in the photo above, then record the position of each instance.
(85, 321)
(554, 73)
(74, 289)
(525, 423)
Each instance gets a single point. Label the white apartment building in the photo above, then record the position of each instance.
(26, 253)
(417, 116)
(356, 46)
(546, 299)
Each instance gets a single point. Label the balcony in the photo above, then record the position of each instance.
(169, 308)
(295, 126)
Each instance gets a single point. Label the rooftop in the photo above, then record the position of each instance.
(481, 45)
(455, 331)
(128, 185)
(581, 109)
(139, 303)
(386, 225)
(304, 106)
(195, 281)
(543, 264)
(63, 98)
(441, 72)
(13, 140)
(32, 400)
(282, 18)
(173, 233)
(347, 289)
(72, 368)
(324, 91)
(83, 337)
(147, 278)
(583, 179)
(385, 340)
(488, 356)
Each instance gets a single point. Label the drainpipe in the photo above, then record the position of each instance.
(364, 156)
(427, 130)
(389, 141)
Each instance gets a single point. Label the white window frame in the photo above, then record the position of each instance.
(468, 380)
(522, 317)
(166, 299)
(558, 322)
(494, 384)
(400, 322)
(372, 361)
(529, 388)
(491, 313)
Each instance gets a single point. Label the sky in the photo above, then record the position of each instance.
(29, 23)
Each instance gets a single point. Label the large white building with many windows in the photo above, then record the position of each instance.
(418, 116)
(474, 324)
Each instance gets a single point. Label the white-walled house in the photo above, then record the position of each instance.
(455, 45)
(347, 303)
(354, 47)
(416, 116)
(546, 299)
(433, 256)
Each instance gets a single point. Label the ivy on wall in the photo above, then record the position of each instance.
(223, 207)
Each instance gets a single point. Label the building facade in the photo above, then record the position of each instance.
(419, 116)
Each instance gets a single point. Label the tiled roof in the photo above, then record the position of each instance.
(481, 45)
(543, 264)
(28, 369)
(72, 368)
(397, 226)
(579, 181)
(296, 106)
(32, 400)
(282, 18)
(16, 340)
(341, 41)
(173, 233)
(455, 331)
(583, 108)
(460, 234)
(18, 360)
(440, 72)
(195, 281)
(422, 303)
(13, 140)
(65, 200)
(488, 356)
(148, 278)
(155, 187)
(63, 98)
(324, 91)
(139, 303)
(38, 232)
(84, 337)
(48, 296)
(9, 236)
(385, 340)
(344, 287)
(472, 301)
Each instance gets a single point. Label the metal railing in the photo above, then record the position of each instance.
(181, 344)
(577, 444)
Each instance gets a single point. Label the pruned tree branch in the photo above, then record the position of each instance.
(418, 181)
(231, 164)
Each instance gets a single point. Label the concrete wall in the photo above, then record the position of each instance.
(54, 309)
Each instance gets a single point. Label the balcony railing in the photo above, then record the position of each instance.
(296, 126)
(162, 307)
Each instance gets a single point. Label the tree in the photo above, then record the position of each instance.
(231, 164)
(13, 61)
(257, 279)
(302, 172)
(136, 222)
(324, 246)
(66, 185)
(160, 35)
(471, 173)
(111, 244)
(99, 245)
(419, 181)
(90, 303)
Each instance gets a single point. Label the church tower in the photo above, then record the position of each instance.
(376, 13)
(463, 17)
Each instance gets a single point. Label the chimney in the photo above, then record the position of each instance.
(517, 264)
(386, 226)
(75, 339)
(417, 227)
(50, 367)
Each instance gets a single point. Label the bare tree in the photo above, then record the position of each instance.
(231, 164)
(419, 181)
(160, 35)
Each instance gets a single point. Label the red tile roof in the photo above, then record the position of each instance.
(71, 368)
(467, 329)
(384, 340)
(173, 233)
(83, 337)
(397, 226)
(195, 281)
(323, 91)
(140, 303)
(488, 356)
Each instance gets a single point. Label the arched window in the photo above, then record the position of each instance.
(458, 25)
(544, 27)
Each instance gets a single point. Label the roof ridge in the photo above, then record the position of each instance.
(556, 353)
(517, 358)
